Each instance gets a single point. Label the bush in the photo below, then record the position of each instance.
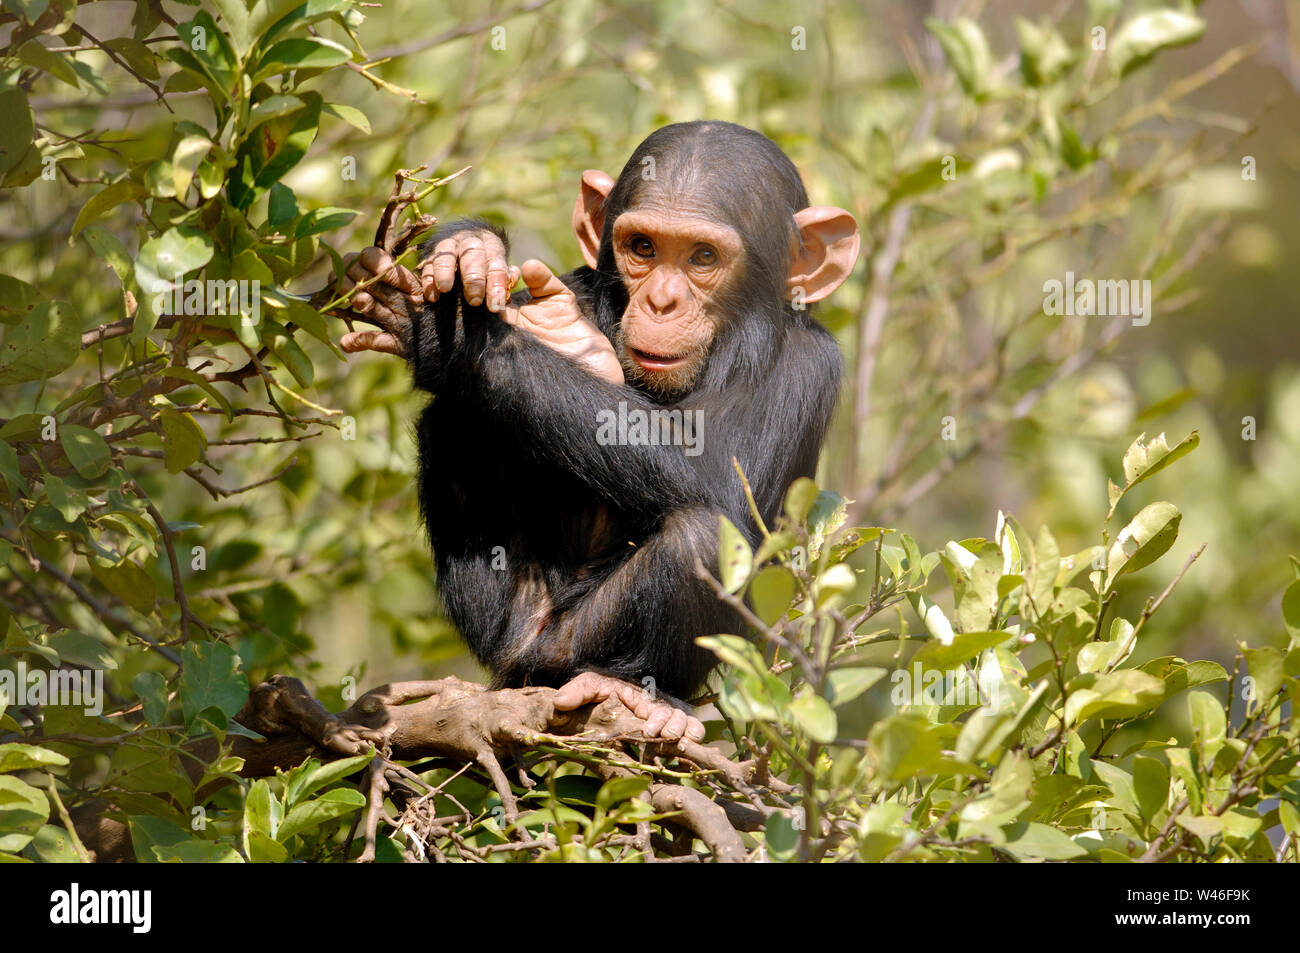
(196, 495)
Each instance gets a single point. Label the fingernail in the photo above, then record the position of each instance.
(474, 301)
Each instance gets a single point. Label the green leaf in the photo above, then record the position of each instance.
(301, 52)
(617, 790)
(16, 128)
(34, 54)
(170, 256)
(68, 500)
(104, 201)
(817, 719)
(1266, 668)
(77, 648)
(845, 684)
(151, 833)
(781, 836)
(772, 592)
(964, 646)
(799, 499)
(110, 248)
(1144, 540)
(1209, 724)
(211, 678)
(281, 205)
(1034, 840)
(1180, 763)
(826, 516)
(734, 650)
(10, 469)
(1150, 785)
(1142, 461)
(87, 451)
(1138, 40)
(1044, 55)
(293, 357)
(263, 850)
(46, 342)
(332, 804)
(906, 745)
(967, 52)
(349, 114)
(1291, 609)
(53, 845)
(838, 580)
(185, 160)
(262, 810)
(151, 689)
(735, 560)
(263, 159)
(324, 775)
(21, 757)
(23, 809)
(183, 440)
(1098, 656)
(271, 108)
(324, 220)
(1120, 694)
(17, 299)
(128, 581)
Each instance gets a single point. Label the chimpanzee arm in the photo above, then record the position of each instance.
(554, 411)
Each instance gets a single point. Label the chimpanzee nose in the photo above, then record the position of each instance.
(665, 295)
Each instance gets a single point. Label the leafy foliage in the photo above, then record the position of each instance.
(194, 488)
(1021, 728)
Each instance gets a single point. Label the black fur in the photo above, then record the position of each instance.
(600, 541)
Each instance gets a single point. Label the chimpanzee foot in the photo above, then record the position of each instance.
(664, 717)
(284, 704)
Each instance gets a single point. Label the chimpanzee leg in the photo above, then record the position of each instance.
(639, 620)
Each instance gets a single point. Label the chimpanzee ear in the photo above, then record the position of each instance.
(829, 252)
(589, 213)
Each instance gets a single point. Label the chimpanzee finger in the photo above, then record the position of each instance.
(694, 729)
(540, 280)
(675, 727)
(473, 270)
(355, 341)
(442, 263)
(379, 262)
(654, 725)
(498, 283)
(362, 303)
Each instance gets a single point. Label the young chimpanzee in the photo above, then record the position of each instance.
(565, 528)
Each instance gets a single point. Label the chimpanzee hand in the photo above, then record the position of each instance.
(480, 255)
(554, 318)
(390, 302)
(663, 719)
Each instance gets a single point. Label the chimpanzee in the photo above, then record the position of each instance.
(578, 450)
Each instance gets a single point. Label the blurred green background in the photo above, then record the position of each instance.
(943, 317)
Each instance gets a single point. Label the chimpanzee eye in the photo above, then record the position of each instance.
(705, 257)
(641, 246)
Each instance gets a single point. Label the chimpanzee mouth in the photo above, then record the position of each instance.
(655, 362)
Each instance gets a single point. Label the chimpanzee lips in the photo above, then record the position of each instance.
(655, 362)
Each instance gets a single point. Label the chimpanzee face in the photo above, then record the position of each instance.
(709, 227)
(677, 269)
